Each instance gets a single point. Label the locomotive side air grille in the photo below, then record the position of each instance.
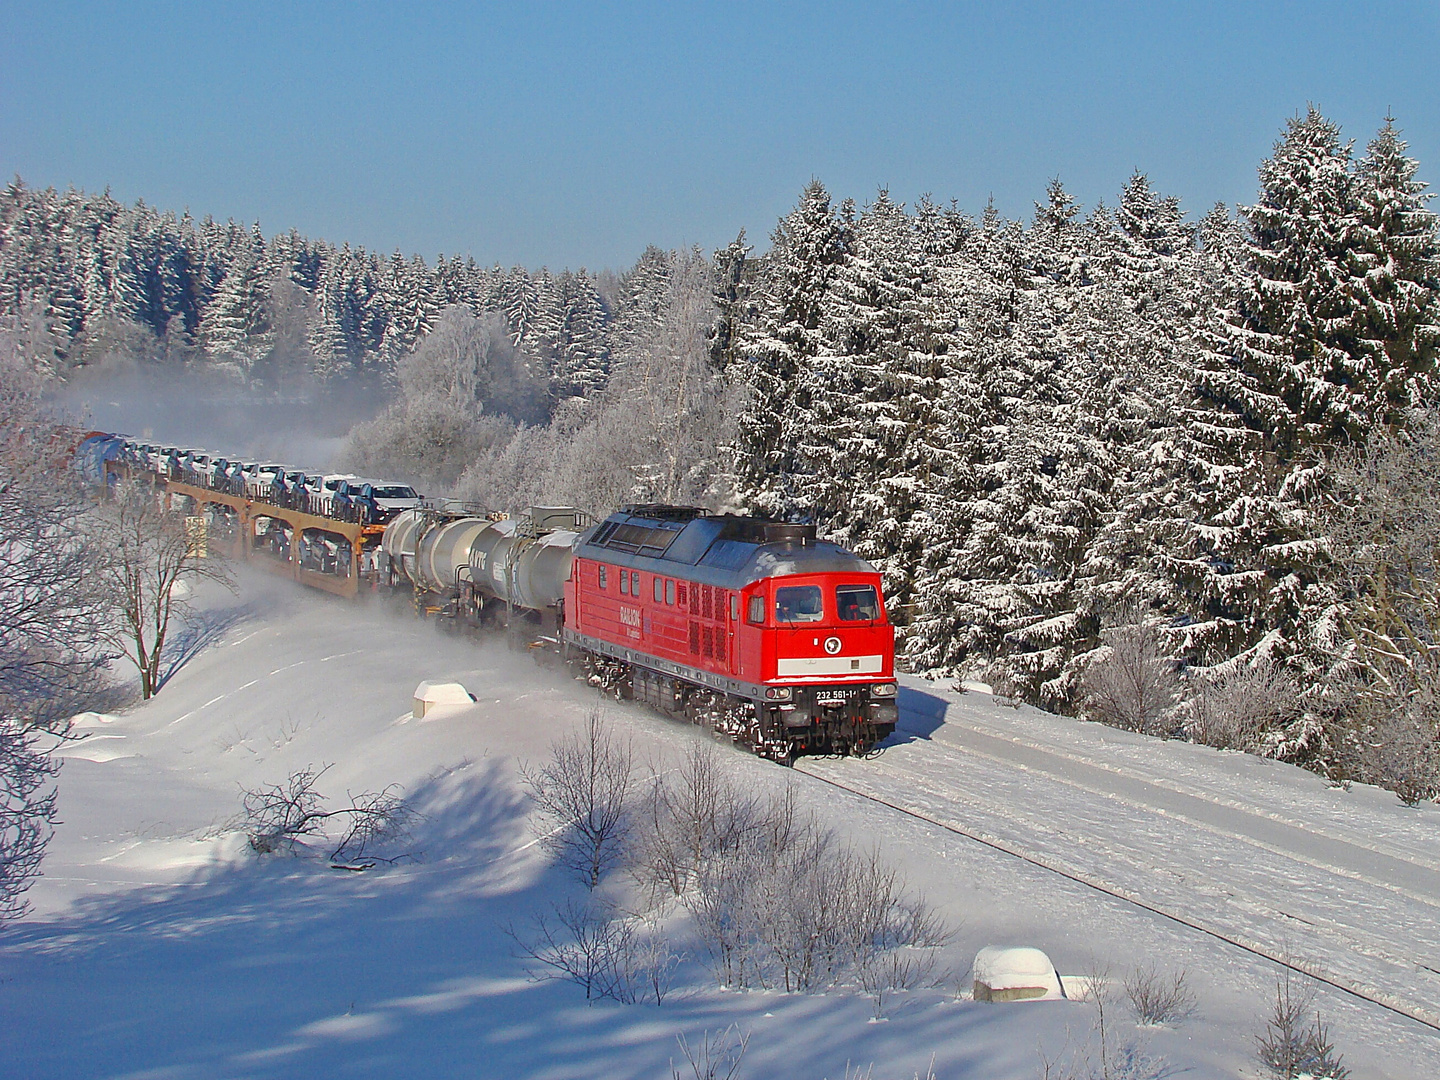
(694, 638)
(707, 642)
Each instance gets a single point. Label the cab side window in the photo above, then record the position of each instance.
(669, 591)
(659, 590)
(756, 614)
(603, 568)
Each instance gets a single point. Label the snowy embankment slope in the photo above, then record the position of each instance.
(1345, 883)
(158, 947)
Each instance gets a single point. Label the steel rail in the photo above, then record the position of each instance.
(1369, 995)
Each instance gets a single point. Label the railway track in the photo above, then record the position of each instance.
(1357, 990)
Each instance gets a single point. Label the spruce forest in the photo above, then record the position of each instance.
(1178, 475)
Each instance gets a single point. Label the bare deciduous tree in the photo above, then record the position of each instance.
(463, 389)
(583, 793)
(1385, 548)
(148, 565)
(657, 430)
(51, 610)
(51, 663)
(27, 810)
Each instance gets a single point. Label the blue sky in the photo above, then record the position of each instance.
(575, 134)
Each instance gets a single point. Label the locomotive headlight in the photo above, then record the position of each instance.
(777, 693)
(883, 689)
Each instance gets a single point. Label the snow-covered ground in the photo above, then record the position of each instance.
(159, 948)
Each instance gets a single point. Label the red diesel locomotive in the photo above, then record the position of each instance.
(754, 628)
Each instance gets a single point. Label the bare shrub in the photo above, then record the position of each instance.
(1101, 1056)
(1159, 999)
(716, 1056)
(583, 793)
(1387, 715)
(282, 818)
(775, 900)
(1003, 686)
(1231, 706)
(1133, 684)
(375, 821)
(1291, 1045)
(653, 962)
(722, 906)
(585, 942)
(882, 975)
(891, 938)
(686, 818)
(1406, 756)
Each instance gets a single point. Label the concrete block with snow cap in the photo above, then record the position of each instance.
(430, 696)
(1015, 973)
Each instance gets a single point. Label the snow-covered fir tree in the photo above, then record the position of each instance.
(1396, 251)
(808, 247)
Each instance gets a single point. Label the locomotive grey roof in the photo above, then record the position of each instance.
(723, 550)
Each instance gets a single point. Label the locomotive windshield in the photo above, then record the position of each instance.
(798, 603)
(857, 603)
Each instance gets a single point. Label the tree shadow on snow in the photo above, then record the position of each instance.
(238, 959)
(281, 967)
(198, 631)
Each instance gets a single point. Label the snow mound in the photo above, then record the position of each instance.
(445, 696)
(90, 721)
(1015, 973)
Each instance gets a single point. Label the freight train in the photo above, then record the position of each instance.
(756, 629)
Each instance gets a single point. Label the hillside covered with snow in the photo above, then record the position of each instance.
(178, 952)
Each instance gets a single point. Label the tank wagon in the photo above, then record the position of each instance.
(753, 628)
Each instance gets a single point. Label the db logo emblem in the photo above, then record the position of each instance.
(832, 645)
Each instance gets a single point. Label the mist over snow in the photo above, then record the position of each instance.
(303, 425)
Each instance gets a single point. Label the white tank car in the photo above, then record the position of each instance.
(523, 561)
